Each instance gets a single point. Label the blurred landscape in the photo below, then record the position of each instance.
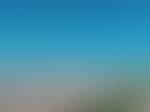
(74, 56)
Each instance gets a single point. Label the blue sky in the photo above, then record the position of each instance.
(46, 35)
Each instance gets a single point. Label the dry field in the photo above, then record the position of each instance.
(71, 100)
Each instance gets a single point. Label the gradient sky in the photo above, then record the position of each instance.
(42, 38)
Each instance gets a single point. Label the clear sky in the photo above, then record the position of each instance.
(41, 38)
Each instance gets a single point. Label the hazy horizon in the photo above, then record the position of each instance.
(79, 45)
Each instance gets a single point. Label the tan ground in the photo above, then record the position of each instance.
(38, 99)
